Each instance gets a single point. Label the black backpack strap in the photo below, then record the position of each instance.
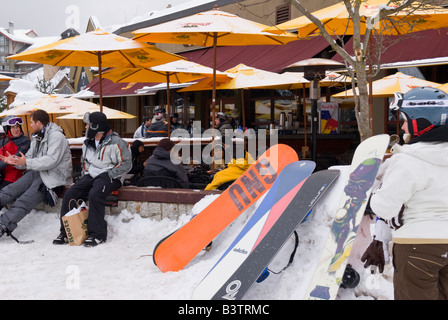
(291, 257)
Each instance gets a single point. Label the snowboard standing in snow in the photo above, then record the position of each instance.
(276, 199)
(275, 232)
(175, 251)
(332, 263)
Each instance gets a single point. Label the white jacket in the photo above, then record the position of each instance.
(51, 157)
(416, 176)
(112, 156)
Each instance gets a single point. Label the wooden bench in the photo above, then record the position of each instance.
(167, 195)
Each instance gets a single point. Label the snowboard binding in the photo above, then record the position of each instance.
(351, 278)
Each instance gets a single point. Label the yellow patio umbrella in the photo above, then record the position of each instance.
(52, 104)
(245, 77)
(212, 28)
(443, 87)
(179, 71)
(100, 49)
(6, 78)
(331, 79)
(77, 117)
(109, 112)
(386, 86)
(337, 20)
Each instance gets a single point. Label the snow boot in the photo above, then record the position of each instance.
(91, 241)
(60, 239)
(3, 229)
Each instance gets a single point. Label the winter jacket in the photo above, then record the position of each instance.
(223, 126)
(416, 176)
(141, 132)
(233, 171)
(160, 164)
(112, 155)
(51, 156)
(14, 146)
(157, 129)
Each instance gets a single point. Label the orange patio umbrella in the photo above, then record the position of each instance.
(100, 49)
(338, 21)
(385, 87)
(443, 87)
(246, 77)
(179, 71)
(212, 28)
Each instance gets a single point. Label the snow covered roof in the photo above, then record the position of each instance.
(20, 35)
(182, 10)
(26, 88)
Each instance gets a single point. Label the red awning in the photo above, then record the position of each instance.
(112, 89)
(269, 58)
(428, 44)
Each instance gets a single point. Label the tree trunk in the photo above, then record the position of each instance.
(362, 103)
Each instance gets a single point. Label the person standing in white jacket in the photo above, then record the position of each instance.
(414, 187)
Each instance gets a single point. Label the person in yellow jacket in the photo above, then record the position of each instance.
(235, 168)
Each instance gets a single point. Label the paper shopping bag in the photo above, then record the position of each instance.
(75, 224)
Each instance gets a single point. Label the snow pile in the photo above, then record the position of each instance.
(122, 268)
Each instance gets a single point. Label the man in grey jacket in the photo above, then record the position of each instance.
(48, 165)
(105, 158)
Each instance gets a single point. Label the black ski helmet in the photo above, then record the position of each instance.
(423, 107)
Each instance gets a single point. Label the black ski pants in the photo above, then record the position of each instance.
(94, 190)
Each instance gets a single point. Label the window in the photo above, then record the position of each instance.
(282, 14)
(3, 44)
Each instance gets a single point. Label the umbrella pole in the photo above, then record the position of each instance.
(101, 81)
(168, 103)
(305, 147)
(215, 39)
(370, 86)
(242, 108)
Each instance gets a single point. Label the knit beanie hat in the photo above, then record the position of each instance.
(166, 144)
(97, 123)
(137, 143)
(135, 147)
(157, 117)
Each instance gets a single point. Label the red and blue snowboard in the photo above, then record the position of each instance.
(270, 233)
(275, 201)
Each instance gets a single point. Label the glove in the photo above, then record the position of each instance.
(374, 256)
(377, 253)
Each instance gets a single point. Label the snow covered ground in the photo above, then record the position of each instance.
(122, 268)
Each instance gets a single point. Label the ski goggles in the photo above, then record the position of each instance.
(13, 121)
